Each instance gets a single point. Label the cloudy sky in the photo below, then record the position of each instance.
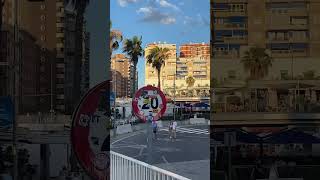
(171, 21)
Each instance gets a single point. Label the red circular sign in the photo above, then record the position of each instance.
(149, 101)
(90, 135)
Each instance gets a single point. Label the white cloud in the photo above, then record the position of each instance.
(164, 3)
(124, 3)
(151, 14)
(168, 20)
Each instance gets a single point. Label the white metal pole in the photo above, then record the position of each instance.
(174, 91)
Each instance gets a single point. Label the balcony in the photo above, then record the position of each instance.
(286, 26)
(270, 102)
(229, 13)
(289, 53)
(286, 1)
(230, 1)
(229, 26)
(288, 12)
(226, 54)
(236, 39)
(287, 40)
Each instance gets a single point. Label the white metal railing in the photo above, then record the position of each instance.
(127, 168)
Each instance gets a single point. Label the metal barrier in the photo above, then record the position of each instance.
(127, 168)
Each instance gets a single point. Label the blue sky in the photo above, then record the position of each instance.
(171, 21)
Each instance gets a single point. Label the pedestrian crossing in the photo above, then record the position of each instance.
(188, 130)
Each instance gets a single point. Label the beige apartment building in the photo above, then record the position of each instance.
(193, 61)
(289, 30)
(121, 75)
(167, 72)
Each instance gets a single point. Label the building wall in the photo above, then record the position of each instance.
(194, 50)
(50, 70)
(167, 72)
(121, 75)
(289, 32)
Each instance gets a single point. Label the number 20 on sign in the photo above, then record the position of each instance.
(149, 100)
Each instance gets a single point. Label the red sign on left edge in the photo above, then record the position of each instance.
(89, 135)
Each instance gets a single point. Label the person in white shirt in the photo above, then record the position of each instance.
(174, 129)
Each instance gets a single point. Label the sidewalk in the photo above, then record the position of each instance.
(142, 126)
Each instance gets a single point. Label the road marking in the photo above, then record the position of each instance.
(141, 150)
(189, 130)
(128, 146)
(125, 137)
(164, 159)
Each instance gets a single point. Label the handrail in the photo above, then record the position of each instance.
(151, 167)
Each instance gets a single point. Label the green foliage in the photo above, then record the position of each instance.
(157, 57)
(257, 62)
(190, 81)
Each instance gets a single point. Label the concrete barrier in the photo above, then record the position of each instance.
(197, 121)
(122, 129)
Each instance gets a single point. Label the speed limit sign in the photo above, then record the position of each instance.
(149, 101)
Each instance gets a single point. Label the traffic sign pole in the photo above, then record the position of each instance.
(149, 104)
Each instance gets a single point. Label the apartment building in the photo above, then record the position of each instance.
(168, 71)
(46, 75)
(194, 49)
(288, 31)
(194, 61)
(121, 75)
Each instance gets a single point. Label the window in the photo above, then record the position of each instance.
(284, 74)
(42, 27)
(43, 17)
(43, 38)
(43, 59)
(43, 7)
(295, 20)
(231, 74)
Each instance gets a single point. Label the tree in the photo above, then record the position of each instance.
(115, 38)
(190, 81)
(257, 62)
(157, 57)
(132, 47)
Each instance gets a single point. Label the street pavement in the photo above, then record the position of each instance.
(187, 156)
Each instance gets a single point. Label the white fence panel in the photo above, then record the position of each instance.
(127, 168)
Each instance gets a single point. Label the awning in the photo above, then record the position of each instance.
(291, 136)
(241, 136)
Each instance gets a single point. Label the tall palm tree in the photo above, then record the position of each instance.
(190, 81)
(115, 38)
(132, 47)
(257, 62)
(157, 57)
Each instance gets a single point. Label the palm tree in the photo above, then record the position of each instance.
(257, 62)
(157, 57)
(190, 81)
(115, 38)
(132, 47)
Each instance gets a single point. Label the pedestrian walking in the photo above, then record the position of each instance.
(155, 129)
(174, 129)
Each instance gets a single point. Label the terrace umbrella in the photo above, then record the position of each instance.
(202, 105)
(291, 136)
